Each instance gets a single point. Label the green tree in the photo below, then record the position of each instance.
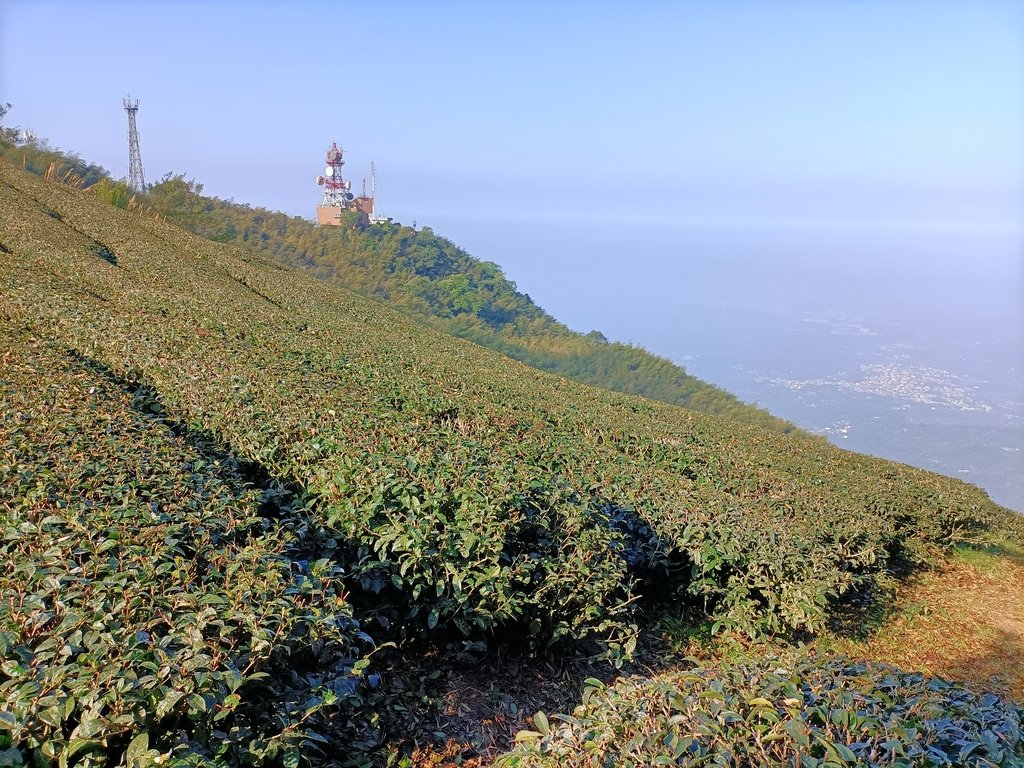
(459, 293)
(116, 193)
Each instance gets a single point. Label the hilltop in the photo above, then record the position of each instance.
(235, 495)
(433, 280)
(423, 275)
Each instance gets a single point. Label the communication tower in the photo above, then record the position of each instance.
(375, 217)
(338, 196)
(337, 191)
(136, 176)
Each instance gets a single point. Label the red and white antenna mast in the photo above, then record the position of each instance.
(337, 191)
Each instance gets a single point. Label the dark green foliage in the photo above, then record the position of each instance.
(456, 542)
(145, 594)
(778, 712)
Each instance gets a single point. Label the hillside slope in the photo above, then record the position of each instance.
(448, 493)
(435, 281)
(420, 273)
(964, 622)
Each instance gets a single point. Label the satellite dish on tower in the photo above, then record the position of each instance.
(329, 171)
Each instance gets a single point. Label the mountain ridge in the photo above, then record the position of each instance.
(419, 272)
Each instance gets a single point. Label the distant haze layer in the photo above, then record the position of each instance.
(903, 343)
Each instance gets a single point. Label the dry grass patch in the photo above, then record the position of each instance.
(963, 622)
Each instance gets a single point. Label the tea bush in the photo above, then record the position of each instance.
(464, 493)
(148, 605)
(778, 712)
(278, 442)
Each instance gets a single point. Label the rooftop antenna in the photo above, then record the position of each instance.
(136, 176)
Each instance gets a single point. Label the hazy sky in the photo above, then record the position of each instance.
(791, 115)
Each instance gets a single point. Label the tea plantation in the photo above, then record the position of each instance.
(221, 482)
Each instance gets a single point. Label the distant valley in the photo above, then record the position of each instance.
(885, 344)
(874, 392)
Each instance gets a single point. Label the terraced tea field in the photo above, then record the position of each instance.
(224, 481)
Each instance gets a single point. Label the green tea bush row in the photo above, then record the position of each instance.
(798, 711)
(148, 610)
(461, 543)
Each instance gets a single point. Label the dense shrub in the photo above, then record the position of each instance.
(145, 600)
(114, 192)
(202, 450)
(480, 547)
(778, 712)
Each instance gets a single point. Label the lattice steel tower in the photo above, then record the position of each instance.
(136, 176)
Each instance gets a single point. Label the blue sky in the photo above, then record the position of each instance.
(791, 115)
